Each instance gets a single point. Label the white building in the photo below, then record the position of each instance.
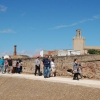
(74, 52)
(62, 52)
(43, 52)
(68, 52)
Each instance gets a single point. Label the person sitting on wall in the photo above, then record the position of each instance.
(37, 66)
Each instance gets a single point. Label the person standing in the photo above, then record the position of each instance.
(18, 67)
(75, 69)
(80, 71)
(14, 66)
(53, 68)
(46, 63)
(10, 67)
(2, 65)
(37, 66)
(21, 66)
(50, 58)
(6, 64)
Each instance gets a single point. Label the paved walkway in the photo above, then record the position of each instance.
(83, 82)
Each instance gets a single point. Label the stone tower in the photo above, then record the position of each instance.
(79, 41)
(15, 53)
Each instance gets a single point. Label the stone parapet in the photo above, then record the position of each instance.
(91, 64)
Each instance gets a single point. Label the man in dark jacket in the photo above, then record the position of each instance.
(46, 63)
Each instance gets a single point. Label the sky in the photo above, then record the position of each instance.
(35, 25)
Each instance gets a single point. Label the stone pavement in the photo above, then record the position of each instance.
(81, 82)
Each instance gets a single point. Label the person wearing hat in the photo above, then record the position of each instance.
(37, 66)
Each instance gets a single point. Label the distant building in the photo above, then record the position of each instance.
(43, 53)
(74, 52)
(79, 47)
(59, 53)
(79, 43)
(15, 56)
(62, 52)
(68, 52)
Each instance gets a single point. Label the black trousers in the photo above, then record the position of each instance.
(37, 68)
(76, 76)
(20, 68)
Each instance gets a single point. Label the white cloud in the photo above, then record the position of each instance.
(7, 31)
(79, 22)
(82, 21)
(73, 24)
(96, 16)
(90, 19)
(60, 26)
(3, 8)
(64, 26)
(23, 14)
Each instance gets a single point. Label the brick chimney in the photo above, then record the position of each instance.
(15, 53)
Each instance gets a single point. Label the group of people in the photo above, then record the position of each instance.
(77, 70)
(49, 68)
(8, 66)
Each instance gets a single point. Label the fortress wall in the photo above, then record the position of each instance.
(92, 47)
(91, 64)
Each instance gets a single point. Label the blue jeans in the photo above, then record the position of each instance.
(49, 71)
(46, 71)
(2, 69)
(18, 70)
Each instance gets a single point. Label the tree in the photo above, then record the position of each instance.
(93, 51)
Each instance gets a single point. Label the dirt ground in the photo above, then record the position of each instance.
(27, 89)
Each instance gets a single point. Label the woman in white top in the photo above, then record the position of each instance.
(53, 68)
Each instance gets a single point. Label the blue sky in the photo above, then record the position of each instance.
(34, 25)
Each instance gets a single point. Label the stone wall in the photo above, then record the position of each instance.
(91, 64)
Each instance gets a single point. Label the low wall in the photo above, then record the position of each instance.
(91, 64)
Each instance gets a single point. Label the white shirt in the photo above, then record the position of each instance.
(37, 62)
(52, 64)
